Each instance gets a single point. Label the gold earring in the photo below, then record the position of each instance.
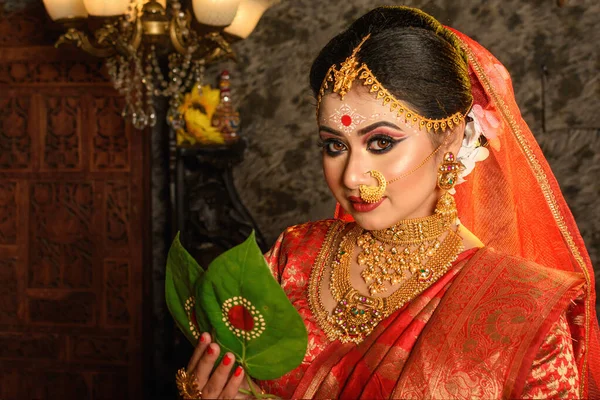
(447, 176)
(372, 194)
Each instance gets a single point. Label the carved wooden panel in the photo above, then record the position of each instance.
(116, 284)
(15, 139)
(9, 302)
(8, 213)
(76, 308)
(86, 349)
(61, 242)
(35, 346)
(62, 141)
(110, 143)
(72, 224)
(117, 217)
(52, 72)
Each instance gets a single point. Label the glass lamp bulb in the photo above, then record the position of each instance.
(215, 12)
(106, 8)
(63, 9)
(247, 17)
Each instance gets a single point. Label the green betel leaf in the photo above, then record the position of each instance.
(183, 275)
(251, 314)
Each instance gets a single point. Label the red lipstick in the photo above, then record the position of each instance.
(361, 206)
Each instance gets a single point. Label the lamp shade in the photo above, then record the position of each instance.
(61, 9)
(106, 8)
(247, 17)
(215, 12)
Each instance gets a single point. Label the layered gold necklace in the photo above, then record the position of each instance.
(411, 243)
(414, 253)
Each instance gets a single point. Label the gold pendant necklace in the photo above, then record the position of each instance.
(356, 315)
(411, 243)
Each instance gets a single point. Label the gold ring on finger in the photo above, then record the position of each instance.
(187, 386)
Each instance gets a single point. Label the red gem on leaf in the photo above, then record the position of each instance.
(240, 318)
(346, 120)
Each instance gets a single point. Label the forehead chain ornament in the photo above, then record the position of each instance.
(350, 70)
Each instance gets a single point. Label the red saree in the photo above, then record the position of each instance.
(476, 332)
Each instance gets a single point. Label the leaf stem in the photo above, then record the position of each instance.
(252, 388)
(253, 392)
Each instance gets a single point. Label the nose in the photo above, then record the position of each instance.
(355, 172)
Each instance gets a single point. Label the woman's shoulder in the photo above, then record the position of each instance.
(312, 227)
(307, 235)
(299, 245)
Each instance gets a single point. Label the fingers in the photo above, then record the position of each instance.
(203, 343)
(223, 382)
(218, 379)
(231, 390)
(205, 366)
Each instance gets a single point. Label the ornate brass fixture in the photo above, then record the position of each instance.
(135, 35)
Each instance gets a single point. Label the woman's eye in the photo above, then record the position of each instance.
(381, 144)
(333, 147)
(337, 146)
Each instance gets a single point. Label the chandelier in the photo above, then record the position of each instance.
(134, 36)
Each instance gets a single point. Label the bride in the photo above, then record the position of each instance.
(453, 267)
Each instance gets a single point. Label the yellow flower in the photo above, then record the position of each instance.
(205, 101)
(197, 109)
(199, 126)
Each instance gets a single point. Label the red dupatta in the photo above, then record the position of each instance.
(513, 203)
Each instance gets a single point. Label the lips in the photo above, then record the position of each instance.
(361, 206)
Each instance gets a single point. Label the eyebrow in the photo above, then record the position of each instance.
(364, 130)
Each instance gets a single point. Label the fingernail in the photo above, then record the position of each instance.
(202, 339)
(238, 371)
(210, 350)
(227, 360)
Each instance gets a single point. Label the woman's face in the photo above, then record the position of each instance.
(358, 135)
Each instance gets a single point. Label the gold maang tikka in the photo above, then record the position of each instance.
(343, 79)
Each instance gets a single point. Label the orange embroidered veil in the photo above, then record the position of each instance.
(513, 203)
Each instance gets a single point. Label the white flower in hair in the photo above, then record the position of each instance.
(471, 150)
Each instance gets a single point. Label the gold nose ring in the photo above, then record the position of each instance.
(373, 194)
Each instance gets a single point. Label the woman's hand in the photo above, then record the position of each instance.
(223, 383)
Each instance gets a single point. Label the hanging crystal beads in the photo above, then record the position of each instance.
(138, 77)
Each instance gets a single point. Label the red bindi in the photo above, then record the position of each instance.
(346, 120)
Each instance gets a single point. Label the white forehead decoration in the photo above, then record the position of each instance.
(346, 118)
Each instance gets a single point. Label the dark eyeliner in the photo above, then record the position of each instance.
(324, 144)
(390, 139)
